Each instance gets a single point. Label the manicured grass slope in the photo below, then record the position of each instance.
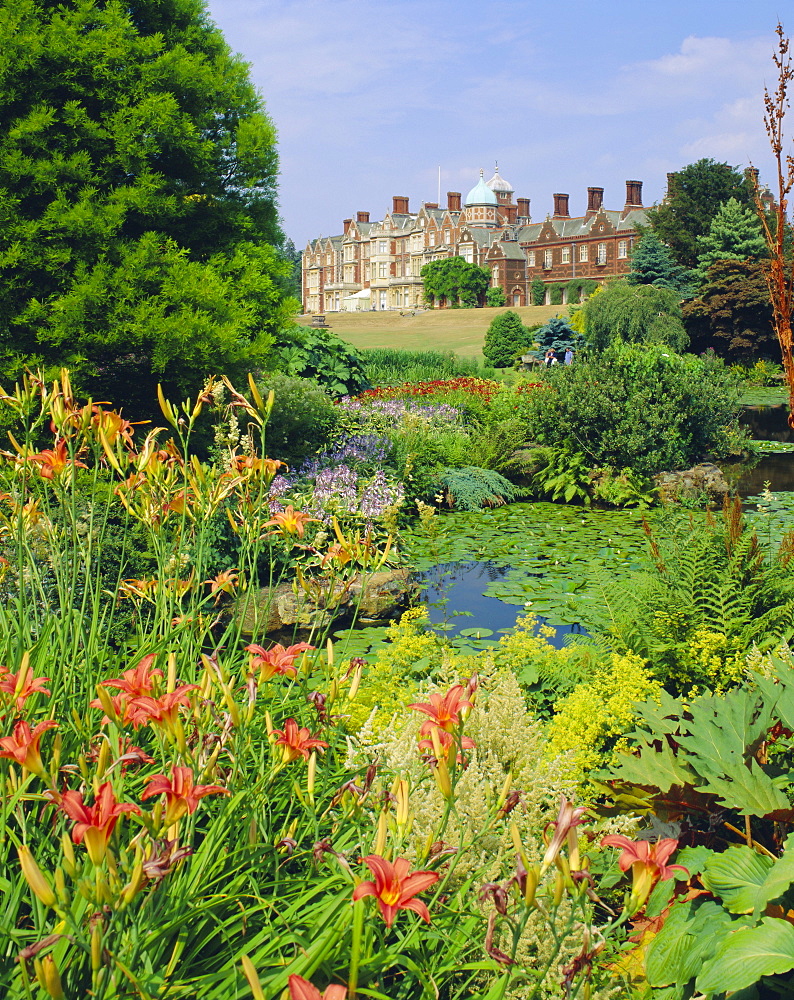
(459, 330)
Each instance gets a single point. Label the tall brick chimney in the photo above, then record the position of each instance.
(634, 194)
(595, 199)
(362, 216)
(561, 206)
(346, 225)
(399, 205)
(671, 176)
(523, 207)
(453, 201)
(512, 213)
(431, 204)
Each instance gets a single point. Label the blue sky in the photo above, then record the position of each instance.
(371, 98)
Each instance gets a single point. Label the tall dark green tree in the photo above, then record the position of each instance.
(506, 339)
(139, 235)
(693, 199)
(653, 264)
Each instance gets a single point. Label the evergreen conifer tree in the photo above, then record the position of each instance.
(734, 234)
(653, 264)
(140, 238)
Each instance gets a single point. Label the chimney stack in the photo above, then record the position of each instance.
(634, 194)
(399, 205)
(671, 176)
(346, 225)
(523, 207)
(561, 206)
(595, 199)
(362, 216)
(453, 201)
(512, 213)
(431, 204)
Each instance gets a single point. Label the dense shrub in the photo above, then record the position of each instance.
(322, 356)
(639, 408)
(635, 314)
(537, 292)
(555, 295)
(495, 297)
(302, 420)
(506, 339)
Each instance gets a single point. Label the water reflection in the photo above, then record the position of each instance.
(454, 593)
(768, 423)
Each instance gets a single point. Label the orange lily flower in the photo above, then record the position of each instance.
(290, 521)
(136, 682)
(302, 989)
(22, 684)
(95, 824)
(223, 583)
(181, 795)
(296, 742)
(648, 863)
(445, 711)
(53, 462)
(276, 660)
(23, 745)
(163, 709)
(395, 887)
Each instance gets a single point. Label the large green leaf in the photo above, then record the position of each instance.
(744, 957)
(737, 877)
(780, 876)
(748, 789)
(660, 769)
(688, 937)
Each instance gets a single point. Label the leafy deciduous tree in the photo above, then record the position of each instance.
(454, 280)
(137, 195)
(732, 314)
(634, 314)
(693, 199)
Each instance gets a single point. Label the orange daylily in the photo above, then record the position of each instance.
(276, 660)
(445, 711)
(395, 887)
(648, 863)
(223, 583)
(23, 745)
(95, 824)
(296, 742)
(22, 684)
(302, 989)
(267, 467)
(290, 521)
(53, 462)
(181, 795)
(163, 709)
(139, 680)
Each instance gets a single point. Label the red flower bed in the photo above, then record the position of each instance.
(486, 389)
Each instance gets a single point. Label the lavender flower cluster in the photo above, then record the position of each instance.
(392, 410)
(337, 481)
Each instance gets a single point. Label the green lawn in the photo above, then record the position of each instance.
(459, 330)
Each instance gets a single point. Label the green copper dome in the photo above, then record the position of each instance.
(481, 194)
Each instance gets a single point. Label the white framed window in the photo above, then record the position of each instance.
(584, 254)
(495, 273)
(602, 253)
(383, 300)
(565, 255)
(623, 248)
(447, 236)
(382, 270)
(547, 259)
(531, 258)
(467, 253)
(383, 246)
(432, 239)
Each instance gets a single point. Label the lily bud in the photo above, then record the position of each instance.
(311, 772)
(380, 840)
(402, 802)
(96, 947)
(38, 884)
(531, 886)
(441, 774)
(60, 887)
(559, 887)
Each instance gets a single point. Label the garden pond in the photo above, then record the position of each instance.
(480, 571)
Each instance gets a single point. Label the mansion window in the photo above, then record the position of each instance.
(382, 246)
(349, 251)
(602, 253)
(495, 274)
(432, 239)
(583, 254)
(547, 259)
(565, 255)
(382, 270)
(467, 253)
(366, 272)
(531, 260)
(623, 248)
(446, 237)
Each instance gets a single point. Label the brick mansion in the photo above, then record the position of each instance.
(377, 265)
